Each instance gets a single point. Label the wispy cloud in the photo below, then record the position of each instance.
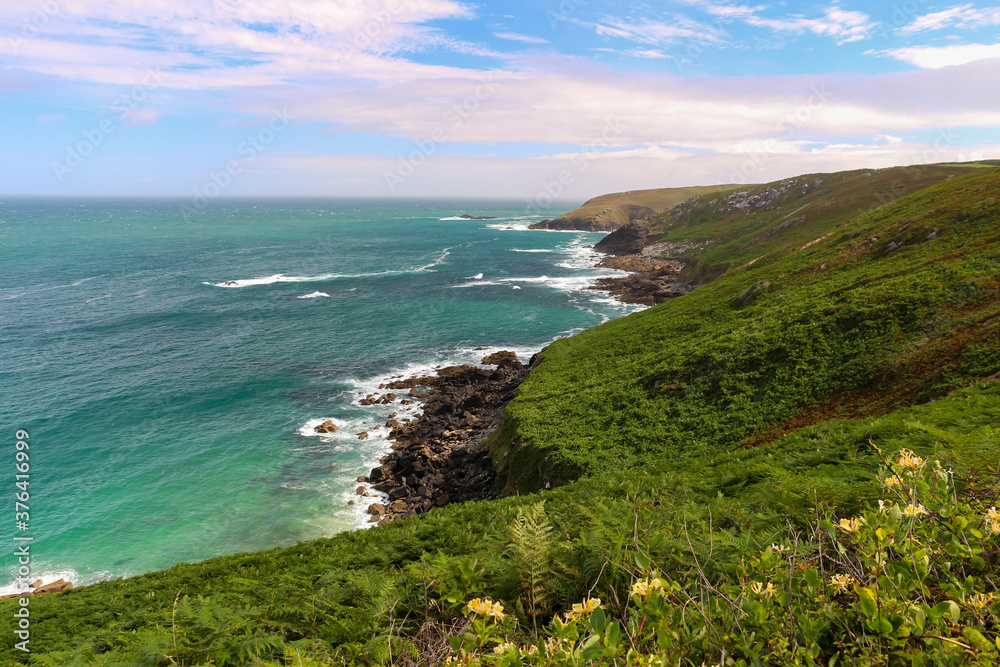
(51, 118)
(843, 26)
(657, 32)
(963, 17)
(516, 37)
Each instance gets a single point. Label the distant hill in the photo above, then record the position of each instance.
(609, 212)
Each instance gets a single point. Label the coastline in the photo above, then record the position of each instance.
(436, 456)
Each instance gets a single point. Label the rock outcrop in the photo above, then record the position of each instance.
(627, 240)
(606, 220)
(326, 427)
(437, 459)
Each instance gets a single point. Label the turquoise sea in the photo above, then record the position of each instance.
(169, 371)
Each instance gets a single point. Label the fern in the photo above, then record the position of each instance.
(531, 549)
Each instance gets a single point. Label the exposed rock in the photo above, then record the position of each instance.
(376, 509)
(362, 478)
(605, 220)
(363, 435)
(35, 584)
(750, 294)
(436, 458)
(326, 427)
(653, 280)
(502, 358)
(466, 216)
(627, 240)
(54, 587)
(399, 492)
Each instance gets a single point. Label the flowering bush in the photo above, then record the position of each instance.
(911, 581)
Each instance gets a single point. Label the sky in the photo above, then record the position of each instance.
(539, 101)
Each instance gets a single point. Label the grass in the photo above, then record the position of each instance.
(620, 208)
(893, 307)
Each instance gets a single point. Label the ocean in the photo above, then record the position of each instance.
(170, 370)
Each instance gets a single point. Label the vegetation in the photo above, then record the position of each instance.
(893, 307)
(681, 443)
(614, 210)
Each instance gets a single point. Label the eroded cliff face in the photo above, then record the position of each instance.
(627, 240)
(606, 220)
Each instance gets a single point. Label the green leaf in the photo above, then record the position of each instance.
(868, 605)
(976, 638)
(642, 562)
(599, 621)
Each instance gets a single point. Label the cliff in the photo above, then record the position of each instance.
(609, 212)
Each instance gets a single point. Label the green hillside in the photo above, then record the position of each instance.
(847, 317)
(744, 224)
(611, 211)
(714, 442)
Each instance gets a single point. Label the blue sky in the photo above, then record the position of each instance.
(557, 99)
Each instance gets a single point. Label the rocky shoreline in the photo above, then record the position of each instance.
(653, 279)
(437, 458)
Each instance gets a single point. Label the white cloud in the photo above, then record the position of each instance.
(844, 26)
(646, 53)
(586, 176)
(935, 57)
(887, 138)
(141, 116)
(964, 17)
(650, 32)
(516, 37)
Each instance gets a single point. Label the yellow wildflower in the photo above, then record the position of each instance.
(760, 589)
(486, 607)
(643, 588)
(980, 601)
(530, 649)
(579, 610)
(892, 481)
(851, 525)
(842, 582)
(553, 646)
(908, 460)
(780, 548)
(503, 648)
(915, 510)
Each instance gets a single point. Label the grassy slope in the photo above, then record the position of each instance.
(904, 310)
(618, 204)
(658, 408)
(333, 590)
(809, 206)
